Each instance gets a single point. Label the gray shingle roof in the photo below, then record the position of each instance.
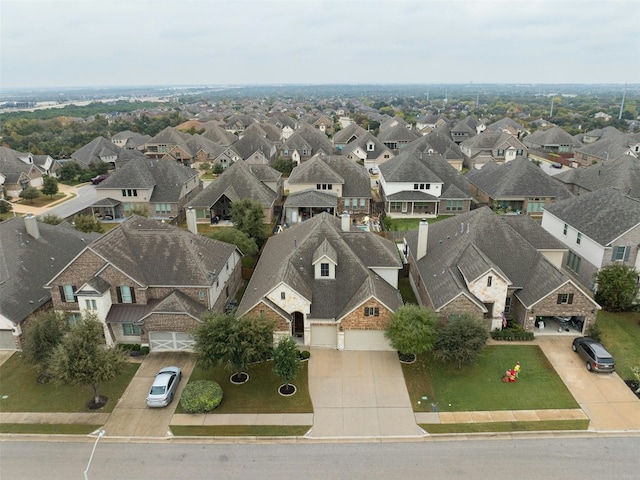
(622, 173)
(311, 198)
(288, 258)
(602, 215)
(479, 239)
(219, 135)
(95, 151)
(252, 143)
(237, 181)
(27, 263)
(352, 131)
(553, 136)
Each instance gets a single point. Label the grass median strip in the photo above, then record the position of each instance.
(240, 430)
(489, 427)
(48, 428)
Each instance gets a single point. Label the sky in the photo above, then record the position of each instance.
(92, 43)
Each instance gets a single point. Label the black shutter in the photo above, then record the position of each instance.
(133, 295)
(62, 296)
(119, 294)
(75, 297)
(559, 298)
(570, 301)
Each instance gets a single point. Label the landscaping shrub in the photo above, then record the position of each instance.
(304, 354)
(595, 332)
(513, 332)
(144, 350)
(201, 396)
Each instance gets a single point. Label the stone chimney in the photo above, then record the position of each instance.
(191, 220)
(31, 224)
(423, 235)
(346, 222)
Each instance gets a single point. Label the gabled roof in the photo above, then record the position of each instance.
(492, 140)
(436, 141)
(27, 263)
(397, 133)
(622, 173)
(252, 143)
(315, 171)
(11, 166)
(553, 136)
(475, 241)
(288, 258)
(237, 181)
(170, 136)
(95, 151)
(157, 254)
(166, 177)
(196, 143)
(505, 123)
(311, 198)
(314, 137)
(219, 135)
(347, 134)
(602, 215)
(517, 178)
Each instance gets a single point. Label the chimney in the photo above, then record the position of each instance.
(31, 224)
(423, 234)
(346, 222)
(191, 220)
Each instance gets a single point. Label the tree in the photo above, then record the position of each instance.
(43, 334)
(284, 165)
(460, 341)
(29, 193)
(286, 363)
(139, 210)
(5, 206)
(51, 219)
(235, 343)
(412, 329)
(69, 171)
(248, 217)
(88, 223)
(617, 287)
(234, 236)
(50, 186)
(82, 359)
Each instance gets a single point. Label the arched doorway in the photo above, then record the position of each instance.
(297, 326)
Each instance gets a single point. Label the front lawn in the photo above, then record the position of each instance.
(621, 336)
(259, 394)
(432, 384)
(533, 426)
(240, 430)
(21, 392)
(42, 200)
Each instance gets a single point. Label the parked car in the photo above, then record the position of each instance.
(374, 171)
(597, 358)
(164, 387)
(100, 178)
(556, 165)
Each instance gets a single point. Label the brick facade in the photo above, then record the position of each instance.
(167, 323)
(262, 310)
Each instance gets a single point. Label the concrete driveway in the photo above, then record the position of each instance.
(131, 417)
(604, 398)
(359, 394)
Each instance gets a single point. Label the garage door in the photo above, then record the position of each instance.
(365, 340)
(6, 340)
(170, 341)
(324, 336)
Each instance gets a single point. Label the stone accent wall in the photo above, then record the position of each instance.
(357, 320)
(581, 306)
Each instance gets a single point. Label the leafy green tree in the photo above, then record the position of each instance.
(248, 217)
(235, 343)
(412, 329)
(286, 363)
(82, 359)
(5, 206)
(51, 219)
(50, 186)
(217, 169)
(88, 223)
(29, 194)
(284, 165)
(460, 341)
(617, 287)
(139, 210)
(234, 236)
(69, 171)
(43, 334)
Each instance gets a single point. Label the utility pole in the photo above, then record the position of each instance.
(553, 99)
(624, 94)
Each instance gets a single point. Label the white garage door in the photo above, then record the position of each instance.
(170, 341)
(324, 336)
(365, 340)
(6, 340)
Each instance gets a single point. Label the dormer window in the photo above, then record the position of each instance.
(371, 147)
(324, 270)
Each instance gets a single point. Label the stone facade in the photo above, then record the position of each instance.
(357, 320)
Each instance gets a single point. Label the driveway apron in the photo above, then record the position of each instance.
(604, 398)
(359, 394)
(131, 417)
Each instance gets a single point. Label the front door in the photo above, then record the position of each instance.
(298, 324)
(404, 207)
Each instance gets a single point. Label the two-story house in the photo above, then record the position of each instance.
(19, 171)
(327, 283)
(499, 147)
(598, 228)
(368, 150)
(148, 283)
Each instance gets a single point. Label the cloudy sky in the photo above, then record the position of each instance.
(57, 43)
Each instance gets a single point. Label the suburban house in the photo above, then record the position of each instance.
(368, 150)
(161, 187)
(30, 254)
(621, 173)
(148, 283)
(163, 142)
(304, 143)
(598, 228)
(47, 165)
(518, 186)
(195, 151)
(428, 123)
(554, 140)
(478, 264)
(465, 129)
(328, 284)
(508, 125)
(219, 135)
(19, 171)
(326, 183)
(255, 149)
(129, 140)
(348, 134)
(240, 180)
(397, 136)
(99, 151)
(418, 185)
(320, 122)
(604, 144)
(499, 147)
(437, 142)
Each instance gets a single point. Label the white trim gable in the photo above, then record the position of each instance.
(292, 301)
(324, 259)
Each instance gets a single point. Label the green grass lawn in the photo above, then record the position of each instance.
(537, 426)
(260, 393)
(621, 336)
(48, 428)
(480, 387)
(404, 285)
(43, 200)
(18, 382)
(412, 223)
(241, 430)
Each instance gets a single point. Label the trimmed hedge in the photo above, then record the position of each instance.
(508, 335)
(201, 396)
